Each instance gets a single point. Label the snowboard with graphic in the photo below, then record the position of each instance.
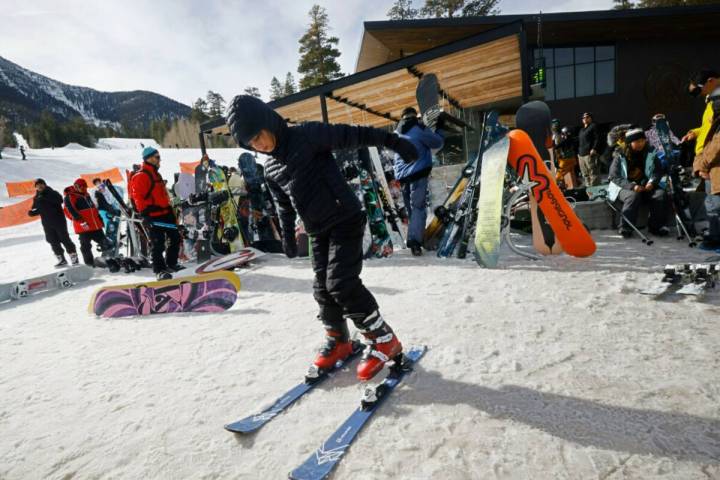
(230, 261)
(207, 293)
(524, 158)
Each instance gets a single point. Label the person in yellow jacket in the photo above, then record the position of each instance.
(704, 84)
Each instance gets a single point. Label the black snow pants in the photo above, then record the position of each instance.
(86, 247)
(158, 237)
(657, 201)
(337, 263)
(59, 237)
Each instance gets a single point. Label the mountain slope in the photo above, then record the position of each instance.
(25, 94)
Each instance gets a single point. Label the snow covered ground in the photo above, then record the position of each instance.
(556, 369)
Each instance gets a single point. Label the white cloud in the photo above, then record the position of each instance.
(184, 48)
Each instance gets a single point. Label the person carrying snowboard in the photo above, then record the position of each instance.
(152, 201)
(48, 204)
(305, 180)
(413, 175)
(85, 216)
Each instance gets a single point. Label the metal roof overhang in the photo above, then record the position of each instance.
(481, 70)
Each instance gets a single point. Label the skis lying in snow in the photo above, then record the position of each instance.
(691, 280)
(325, 459)
(314, 377)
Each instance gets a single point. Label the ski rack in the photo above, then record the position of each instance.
(522, 189)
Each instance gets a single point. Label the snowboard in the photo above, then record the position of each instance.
(208, 293)
(489, 209)
(569, 230)
(227, 234)
(45, 283)
(381, 243)
(230, 261)
(427, 94)
(534, 118)
(386, 197)
(185, 186)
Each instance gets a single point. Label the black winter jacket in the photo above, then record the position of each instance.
(302, 174)
(588, 139)
(49, 205)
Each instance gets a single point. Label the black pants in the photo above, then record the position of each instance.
(337, 262)
(86, 247)
(656, 200)
(59, 237)
(158, 237)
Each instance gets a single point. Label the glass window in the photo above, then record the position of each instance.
(549, 57)
(604, 53)
(584, 80)
(605, 77)
(563, 56)
(584, 55)
(550, 84)
(564, 82)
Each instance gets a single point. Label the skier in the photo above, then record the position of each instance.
(152, 201)
(704, 84)
(109, 213)
(588, 151)
(413, 176)
(22, 152)
(635, 169)
(305, 179)
(85, 216)
(565, 147)
(48, 205)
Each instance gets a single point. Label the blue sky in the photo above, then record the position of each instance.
(183, 48)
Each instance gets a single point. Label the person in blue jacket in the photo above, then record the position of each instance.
(413, 176)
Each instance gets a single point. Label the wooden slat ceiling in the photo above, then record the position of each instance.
(476, 76)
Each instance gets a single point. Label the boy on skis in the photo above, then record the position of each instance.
(305, 180)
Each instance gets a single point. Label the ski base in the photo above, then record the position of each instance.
(322, 462)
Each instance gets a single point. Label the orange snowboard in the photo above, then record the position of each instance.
(569, 230)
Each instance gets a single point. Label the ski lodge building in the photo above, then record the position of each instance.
(622, 65)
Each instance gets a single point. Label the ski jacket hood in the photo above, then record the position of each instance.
(80, 208)
(247, 115)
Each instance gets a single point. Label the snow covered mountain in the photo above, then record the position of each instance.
(25, 94)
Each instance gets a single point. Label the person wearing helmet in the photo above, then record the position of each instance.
(306, 181)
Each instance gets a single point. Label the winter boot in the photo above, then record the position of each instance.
(61, 261)
(382, 345)
(337, 345)
(74, 259)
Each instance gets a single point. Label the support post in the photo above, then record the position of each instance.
(323, 108)
(202, 143)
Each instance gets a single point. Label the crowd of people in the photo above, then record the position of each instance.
(640, 164)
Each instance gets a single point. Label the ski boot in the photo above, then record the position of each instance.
(61, 261)
(74, 259)
(337, 348)
(382, 345)
(163, 275)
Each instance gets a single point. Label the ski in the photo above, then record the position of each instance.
(314, 378)
(671, 281)
(325, 459)
(702, 278)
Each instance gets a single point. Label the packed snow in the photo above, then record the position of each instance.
(556, 369)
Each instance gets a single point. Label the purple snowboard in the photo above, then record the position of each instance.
(210, 296)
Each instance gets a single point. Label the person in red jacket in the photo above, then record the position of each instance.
(86, 220)
(151, 199)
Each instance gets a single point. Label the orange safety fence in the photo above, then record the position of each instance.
(18, 189)
(114, 175)
(16, 214)
(189, 167)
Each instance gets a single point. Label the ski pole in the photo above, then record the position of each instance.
(644, 239)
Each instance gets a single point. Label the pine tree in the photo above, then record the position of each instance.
(455, 8)
(318, 55)
(253, 92)
(198, 112)
(276, 89)
(216, 104)
(289, 87)
(623, 4)
(402, 10)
